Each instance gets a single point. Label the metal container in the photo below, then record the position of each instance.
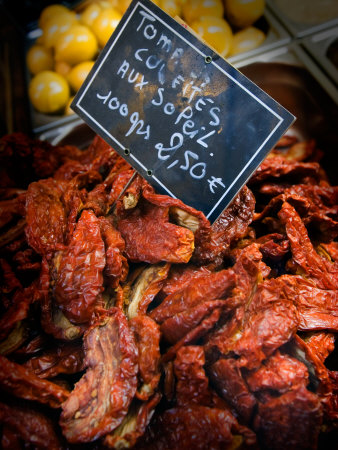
(276, 36)
(295, 55)
(304, 17)
(323, 47)
(292, 78)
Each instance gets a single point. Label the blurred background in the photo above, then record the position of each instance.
(289, 48)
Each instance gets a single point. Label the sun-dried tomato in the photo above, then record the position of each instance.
(296, 151)
(96, 147)
(232, 324)
(317, 308)
(53, 321)
(79, 281)
(292, 420)
(195, 334)
(65, 359)
(320, 343)
(182, 214)
(116, 269)
(147, 338)
(9, 281)
(10, 440)
(277, 167)
(180, 276)
(215, 285)
(16, 232)
(144, 288)
(331, 250)
(30, 426)
(280, 372)
(274, 247)
(176, 327)
(131, 194)
(23, 159)
(268, 321)
(103, 158)
(316, 204)
(23, 383)
(46, 217)
(323, 272)
(250, 271)
(133, 425)
(15, 338)
(228, 228)
(228, 381)
(150, 237)
(197, 427)
(192, 386)
(18, 310)
(33, 346)
(11, 210)
(100, 400)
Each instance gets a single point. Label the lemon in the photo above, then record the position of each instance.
(76, 45)
(171, 7)
(55, 26)
(246, 40)
(52, 11)
(104, 25)
(106, 4)
(78, 74)
(39, 58)
(68, 111)
(48, 91)
(122, 5)
(62, 68)
(243, 13)
(90, 13)
(216, 32)
(193, 10)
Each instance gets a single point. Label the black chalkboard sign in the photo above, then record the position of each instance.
(183, 117)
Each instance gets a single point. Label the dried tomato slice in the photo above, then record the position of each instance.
(101, 399)
(79, 281)
(23, 383)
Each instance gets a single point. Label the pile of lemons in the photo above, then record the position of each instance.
(63, 55)
(61, 58)
(226, 25)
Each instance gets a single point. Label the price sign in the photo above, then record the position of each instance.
(185, 119)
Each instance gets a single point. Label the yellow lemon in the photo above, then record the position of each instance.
(56, 26)
(39, 58)
(216, 32)
(52, 11)
(78, 74)
(243, 13)
(90, 13)
(76, 45)
(246, 40)
(171, 7)
(62, 68)
(106, 4)
(193, 10)
(104, 25)
(49, 92)
(122, 5)
(68, 110)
